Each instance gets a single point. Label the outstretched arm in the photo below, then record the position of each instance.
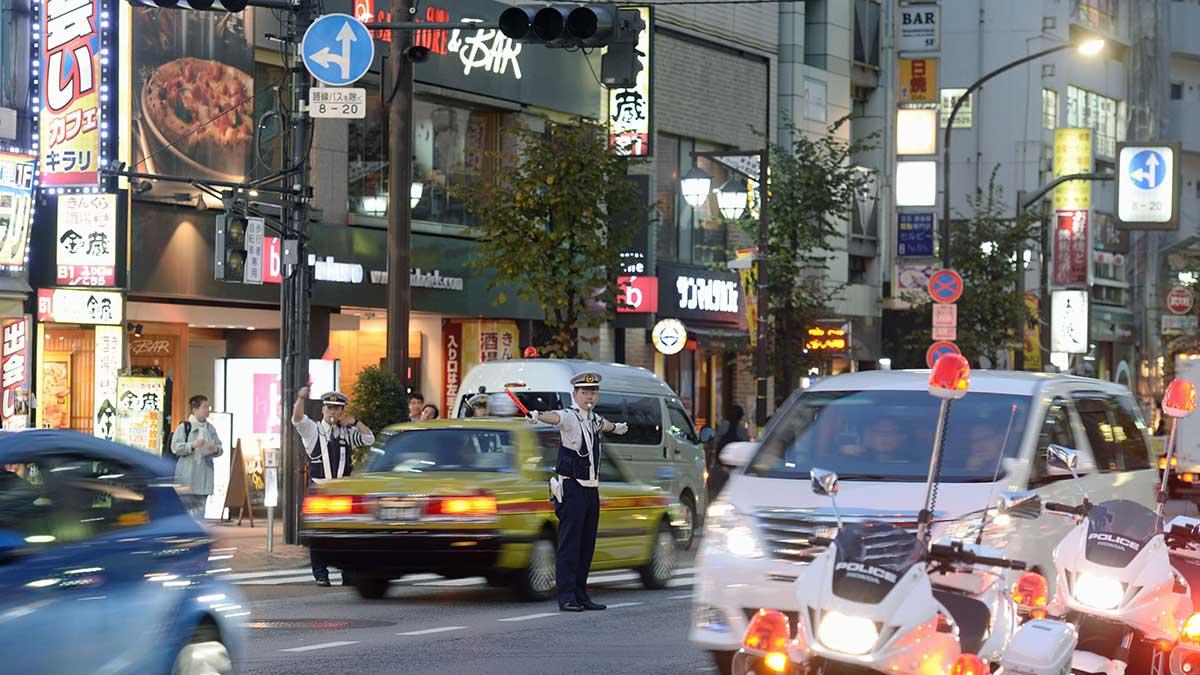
(547, 417)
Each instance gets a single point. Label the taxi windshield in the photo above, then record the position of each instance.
(887, 435)
(452, 449)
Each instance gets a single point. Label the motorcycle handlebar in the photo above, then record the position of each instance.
(1081, 510)
(958, 554)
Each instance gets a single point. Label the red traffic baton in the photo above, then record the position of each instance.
(516, 401)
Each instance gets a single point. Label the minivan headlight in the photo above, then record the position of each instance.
(727, 529)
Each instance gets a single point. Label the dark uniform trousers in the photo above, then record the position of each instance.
(316, 469)
(579, 519)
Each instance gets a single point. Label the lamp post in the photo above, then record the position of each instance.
(696, 186)
(1087, 48)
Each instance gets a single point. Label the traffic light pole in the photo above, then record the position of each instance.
(399, 231)
(296, 287)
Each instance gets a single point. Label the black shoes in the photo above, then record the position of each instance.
(323, 582)
(594, 606)
(570, 607)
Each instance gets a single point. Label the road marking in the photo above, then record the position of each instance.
(431, 631)
(469, 581)
(334, 577)
(325, 645)
(528, 617)
(682, 577)
(265, 574)
(625, 604)
(685, 596)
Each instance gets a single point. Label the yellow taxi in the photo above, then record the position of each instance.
(469, 497)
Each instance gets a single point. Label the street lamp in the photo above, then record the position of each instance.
(731, 198)
(696, 185)
(1086, 48)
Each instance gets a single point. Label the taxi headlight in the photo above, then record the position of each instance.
(1100, 592)
(727, 529)
(847, 634)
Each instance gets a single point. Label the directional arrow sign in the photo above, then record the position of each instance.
(1148, 179)
(337, 49)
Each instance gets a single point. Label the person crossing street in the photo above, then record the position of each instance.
(575, 487)
(328, 446)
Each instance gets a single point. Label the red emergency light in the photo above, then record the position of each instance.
(1180, 399)
(951, 376)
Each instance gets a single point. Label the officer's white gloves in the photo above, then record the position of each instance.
(620, 428)
(532, 417)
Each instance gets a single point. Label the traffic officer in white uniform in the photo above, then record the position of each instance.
(576, 488)
(328, 446)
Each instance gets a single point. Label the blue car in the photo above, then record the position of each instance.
(102, 570)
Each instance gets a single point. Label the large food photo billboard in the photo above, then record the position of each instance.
(193, 92)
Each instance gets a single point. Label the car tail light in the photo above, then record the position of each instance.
(1031, 591)
(333, 505)
(1188, 477)
(466, 506)
(1162, 462)
(769, 631)
(969, 664)
(1191, 630)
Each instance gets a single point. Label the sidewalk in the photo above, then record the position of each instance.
(249, 547)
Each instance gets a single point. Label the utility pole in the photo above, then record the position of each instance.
(296, 287)
(399, 231)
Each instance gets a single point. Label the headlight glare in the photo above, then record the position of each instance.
(1098, 592)
(847, 634)
(727, 529)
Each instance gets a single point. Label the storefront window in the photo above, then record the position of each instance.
(448, 139)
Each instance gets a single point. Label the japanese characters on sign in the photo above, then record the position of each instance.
(918, 81)
(1070, 249)
(338, 102)
(140, 409)
(71, 107)
(827, 337)
(629, 130)
(77, 305)
(17, 181)
(87, 235)
(14, 372)
(1072, 155)
(1069, 321)
(107, 367)
(914, 234)
(452, 363)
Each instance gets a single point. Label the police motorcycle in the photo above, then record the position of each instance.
(879, 599)
(1120, 577)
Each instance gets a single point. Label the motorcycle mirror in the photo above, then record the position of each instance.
(824, 483)
(1024, 504)
(1062, 457)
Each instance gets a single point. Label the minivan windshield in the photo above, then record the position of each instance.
(500, 405)
(887, 435)
(450, 449)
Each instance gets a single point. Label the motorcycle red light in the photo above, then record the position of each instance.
(1031, 591)
(1191, 630)
(769, 631)
(1180, 399)
(951, 376)
(969, 664)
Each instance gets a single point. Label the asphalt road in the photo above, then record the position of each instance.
(431, 625)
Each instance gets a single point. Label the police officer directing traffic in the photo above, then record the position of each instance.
(576, 488)
(329, 447)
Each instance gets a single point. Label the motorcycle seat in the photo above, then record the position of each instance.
(974, 619)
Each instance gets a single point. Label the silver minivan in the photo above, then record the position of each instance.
(661, 447)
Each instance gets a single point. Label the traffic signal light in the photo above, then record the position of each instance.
(560, 25)
(231, 249)
(620, 65)
(201, 5)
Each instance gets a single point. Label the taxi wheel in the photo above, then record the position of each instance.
(657, 573)
(536, 581)
(371, 588)
(685, 534)
(204, 654)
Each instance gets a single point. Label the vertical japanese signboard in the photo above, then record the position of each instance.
(918, 81)
(1070, 253)
(71, 109)
(86, 241)
(629, 110)
(452, 364)
(107, 367)
(14, 366)
(140, 406)
(17, 180)
(1072, 155)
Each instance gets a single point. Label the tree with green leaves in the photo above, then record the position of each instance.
(378, 399)
(553, 219)
(813, 184)
(985, 247)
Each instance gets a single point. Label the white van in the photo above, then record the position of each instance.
(661, 433)
(876, 430)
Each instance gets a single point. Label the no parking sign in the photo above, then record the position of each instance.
(939, 349)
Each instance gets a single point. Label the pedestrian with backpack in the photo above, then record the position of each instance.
(195, 443)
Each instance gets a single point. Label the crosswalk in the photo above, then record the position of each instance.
(683, 577)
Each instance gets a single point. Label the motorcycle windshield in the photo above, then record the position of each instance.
(871, 558)
(1117, 531)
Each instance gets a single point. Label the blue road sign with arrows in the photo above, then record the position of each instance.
(1147, 170)
(337, 49)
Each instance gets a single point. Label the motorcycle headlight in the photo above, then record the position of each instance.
(727, 529)
(1099, 592)
(847, 634)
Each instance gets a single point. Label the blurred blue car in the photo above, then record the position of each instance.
(101, 568)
